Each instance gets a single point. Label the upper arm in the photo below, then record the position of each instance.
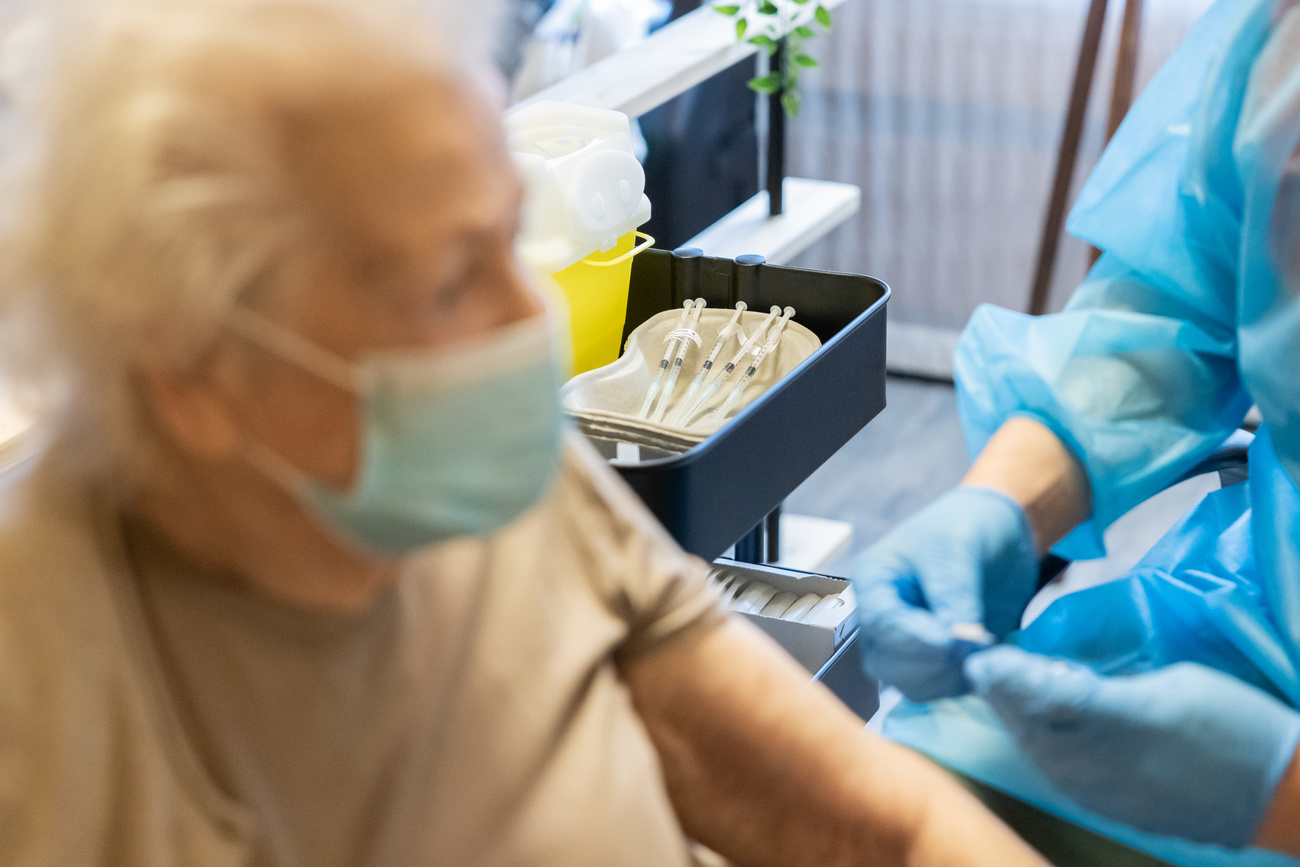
(1139, 375)
(767, 768)
(751, 750)
(1138, 397)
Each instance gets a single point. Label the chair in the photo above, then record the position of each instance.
(1121, 98)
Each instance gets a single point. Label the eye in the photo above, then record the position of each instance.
(470, 292)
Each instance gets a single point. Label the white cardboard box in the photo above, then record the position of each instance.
(812, 644)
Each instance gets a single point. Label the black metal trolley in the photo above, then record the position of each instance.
(721, 491)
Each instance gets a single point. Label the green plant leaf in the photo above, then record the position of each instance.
(767, 7)
(741, 26)
(805, 61)
(802, 31)
(790, 102)
(762, 41)
(769, 83)
(823, 17)
(727, 9)
(801, 2)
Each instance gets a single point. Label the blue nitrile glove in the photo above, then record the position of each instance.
(967, 558)
(1185, 751)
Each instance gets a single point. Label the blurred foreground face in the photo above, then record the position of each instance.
(419, 204)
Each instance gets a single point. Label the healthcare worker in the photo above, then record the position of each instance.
(1159, 708)
(307, 570)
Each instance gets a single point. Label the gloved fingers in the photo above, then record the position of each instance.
(1034, 694)
(1003, 609)
(1184, 751)
(996, 562)
(880, 564)
(936, 578)
(906, 646)
(955, 598)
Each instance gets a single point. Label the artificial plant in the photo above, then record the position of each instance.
(763, 23)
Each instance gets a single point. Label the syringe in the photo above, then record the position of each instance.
(721, 375)
(773, 340)
(667, 360)
(682, 348)
(696, 384)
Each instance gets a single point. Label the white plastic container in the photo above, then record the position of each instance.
(586, 189)
(585, 200)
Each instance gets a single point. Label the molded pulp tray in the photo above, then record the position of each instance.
(710, 496)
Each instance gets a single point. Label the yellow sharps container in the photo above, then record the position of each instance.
(585, 200)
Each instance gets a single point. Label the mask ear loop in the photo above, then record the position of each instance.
(296, 350)
(303, 354)
(282, 473)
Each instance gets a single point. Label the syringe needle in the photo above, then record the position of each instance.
(772, 342)
(657, 383)
(680, 414)
(683, 347)
(721, 376)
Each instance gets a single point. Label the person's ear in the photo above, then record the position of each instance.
(191, 412)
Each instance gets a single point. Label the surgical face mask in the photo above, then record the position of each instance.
(453, 443)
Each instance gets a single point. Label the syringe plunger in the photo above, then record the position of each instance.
(721, 376)
(683, 346)
(657, 382)
(684, 409)
(772, 342)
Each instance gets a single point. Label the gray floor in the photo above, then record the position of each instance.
(911, 453)
(914, 451)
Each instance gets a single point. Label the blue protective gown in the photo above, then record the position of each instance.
(1191, 314)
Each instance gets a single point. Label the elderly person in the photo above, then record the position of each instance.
(307, 573)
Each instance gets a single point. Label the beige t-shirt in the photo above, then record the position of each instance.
(473, 716)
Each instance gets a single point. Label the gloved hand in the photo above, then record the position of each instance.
(1185, 751)
(968, 558)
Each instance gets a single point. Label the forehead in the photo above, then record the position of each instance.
(404, 169)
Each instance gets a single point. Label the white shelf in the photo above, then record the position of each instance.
(668, 62)
(810, 209)
(812, 544)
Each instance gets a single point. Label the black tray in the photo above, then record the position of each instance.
(844, 675)
(711, 495)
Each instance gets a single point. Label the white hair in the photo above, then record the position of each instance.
(151, 188)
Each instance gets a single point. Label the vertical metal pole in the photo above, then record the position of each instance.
(763, 543)
(752, 547)
(776, 138)
(761, 126)
(773, 523)
(1070, 139)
